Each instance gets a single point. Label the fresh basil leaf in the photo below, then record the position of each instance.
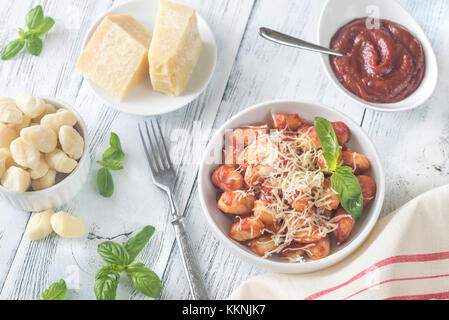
(34, 45)
(21, 33)
(106, 283)
(113, 154)
(347, 186)
(34, 17)
(114, 141)
(56, 291)
(135, 244)
(111, 164)
(329, 142)
(331, 161)
(113, 253)
(44, 27)
(12, 49)
(144, 280)
(105, 183)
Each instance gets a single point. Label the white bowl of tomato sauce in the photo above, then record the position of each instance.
(223, 223)
(390, 64)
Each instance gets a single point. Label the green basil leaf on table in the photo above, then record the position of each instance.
(114, 141)
(347, 186)
(144, 280)
(135, 244)
(56, 291)
(21, 33)
(106, 283)
(113, 154)
(12, 49)
(329, 142)
(105, 183)
(111, 164)
(113, 253)
(34, 45)
(34, 17)
(44, 27)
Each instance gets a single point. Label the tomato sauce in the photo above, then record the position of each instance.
(382, 65)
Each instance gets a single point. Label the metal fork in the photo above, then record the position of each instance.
(163, 177)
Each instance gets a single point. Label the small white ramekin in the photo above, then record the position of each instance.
(336, 13)
(65, 190)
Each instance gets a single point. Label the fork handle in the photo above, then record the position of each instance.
(197, 287)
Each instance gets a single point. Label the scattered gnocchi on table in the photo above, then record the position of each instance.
(39, 144)
(42, 224)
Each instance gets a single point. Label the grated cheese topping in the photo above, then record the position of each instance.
(293, 176)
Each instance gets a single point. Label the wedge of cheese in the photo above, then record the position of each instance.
(116, 56)
(175, 48)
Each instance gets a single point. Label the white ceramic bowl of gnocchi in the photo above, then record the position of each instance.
(262, 113)
(44, 154)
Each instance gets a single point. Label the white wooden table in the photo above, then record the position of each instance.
(414, 145)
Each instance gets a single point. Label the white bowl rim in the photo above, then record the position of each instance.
(94, 89)
(61, 104)
(378, 106)
(310, 265)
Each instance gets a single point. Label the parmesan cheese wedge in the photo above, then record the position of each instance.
(175, 48)
(116, 56)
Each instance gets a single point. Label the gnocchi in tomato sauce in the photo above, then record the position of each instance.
(273, 186)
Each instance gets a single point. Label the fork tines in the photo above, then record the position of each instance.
(156, 150)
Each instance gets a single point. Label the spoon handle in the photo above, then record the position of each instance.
(287, 40)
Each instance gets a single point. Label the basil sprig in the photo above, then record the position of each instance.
(56, 291)
(111, 160)
(343, 181)
(121, 259)
(38, 25)
(134, 245)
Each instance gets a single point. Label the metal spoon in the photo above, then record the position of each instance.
(284, 39)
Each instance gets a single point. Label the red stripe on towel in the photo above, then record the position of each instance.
(382, 263)
(428, 296)
(393, 280)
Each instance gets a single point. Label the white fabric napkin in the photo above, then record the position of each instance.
(406, 256)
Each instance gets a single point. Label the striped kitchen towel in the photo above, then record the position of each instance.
(406, 256)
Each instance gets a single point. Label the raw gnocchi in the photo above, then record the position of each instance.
(60, 162)
(29, 105)
(9, 113)
(38, 138)
(25, 154)
(71, 142)
(16, 179)
(45, 182)
(56, 120)
(39, 225)
(7, 135)
(26, 122)
(6, 154)
(40, 170)
(66, 225)
(48, 109)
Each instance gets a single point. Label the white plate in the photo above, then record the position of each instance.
(221, 224)
(337, 13)
(143, 100)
